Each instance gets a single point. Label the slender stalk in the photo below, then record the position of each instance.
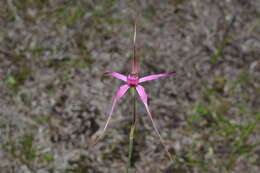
(132, 131)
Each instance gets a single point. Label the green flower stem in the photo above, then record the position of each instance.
(132, 132)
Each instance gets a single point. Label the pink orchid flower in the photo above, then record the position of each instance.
(133, 80)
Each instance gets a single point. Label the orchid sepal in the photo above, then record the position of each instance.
(153, 77)
(117, 75)
(144, 97)
(122, 90)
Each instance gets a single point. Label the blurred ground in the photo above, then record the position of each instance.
(53, 54)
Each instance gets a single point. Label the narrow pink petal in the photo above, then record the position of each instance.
(144, 97)
(156, 76)
(122, 90)
(117, 75)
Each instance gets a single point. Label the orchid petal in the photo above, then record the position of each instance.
(122, 90)
(117, 75)
(144, 97)
(156, 76)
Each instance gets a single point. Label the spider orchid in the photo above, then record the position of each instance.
(133, 80)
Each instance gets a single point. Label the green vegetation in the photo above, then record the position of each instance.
(68, 63)
(24, 150)
(79, 166)
(41, 119)
(213, 116)
(19, 77)
(224, 42)
(179, 1)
